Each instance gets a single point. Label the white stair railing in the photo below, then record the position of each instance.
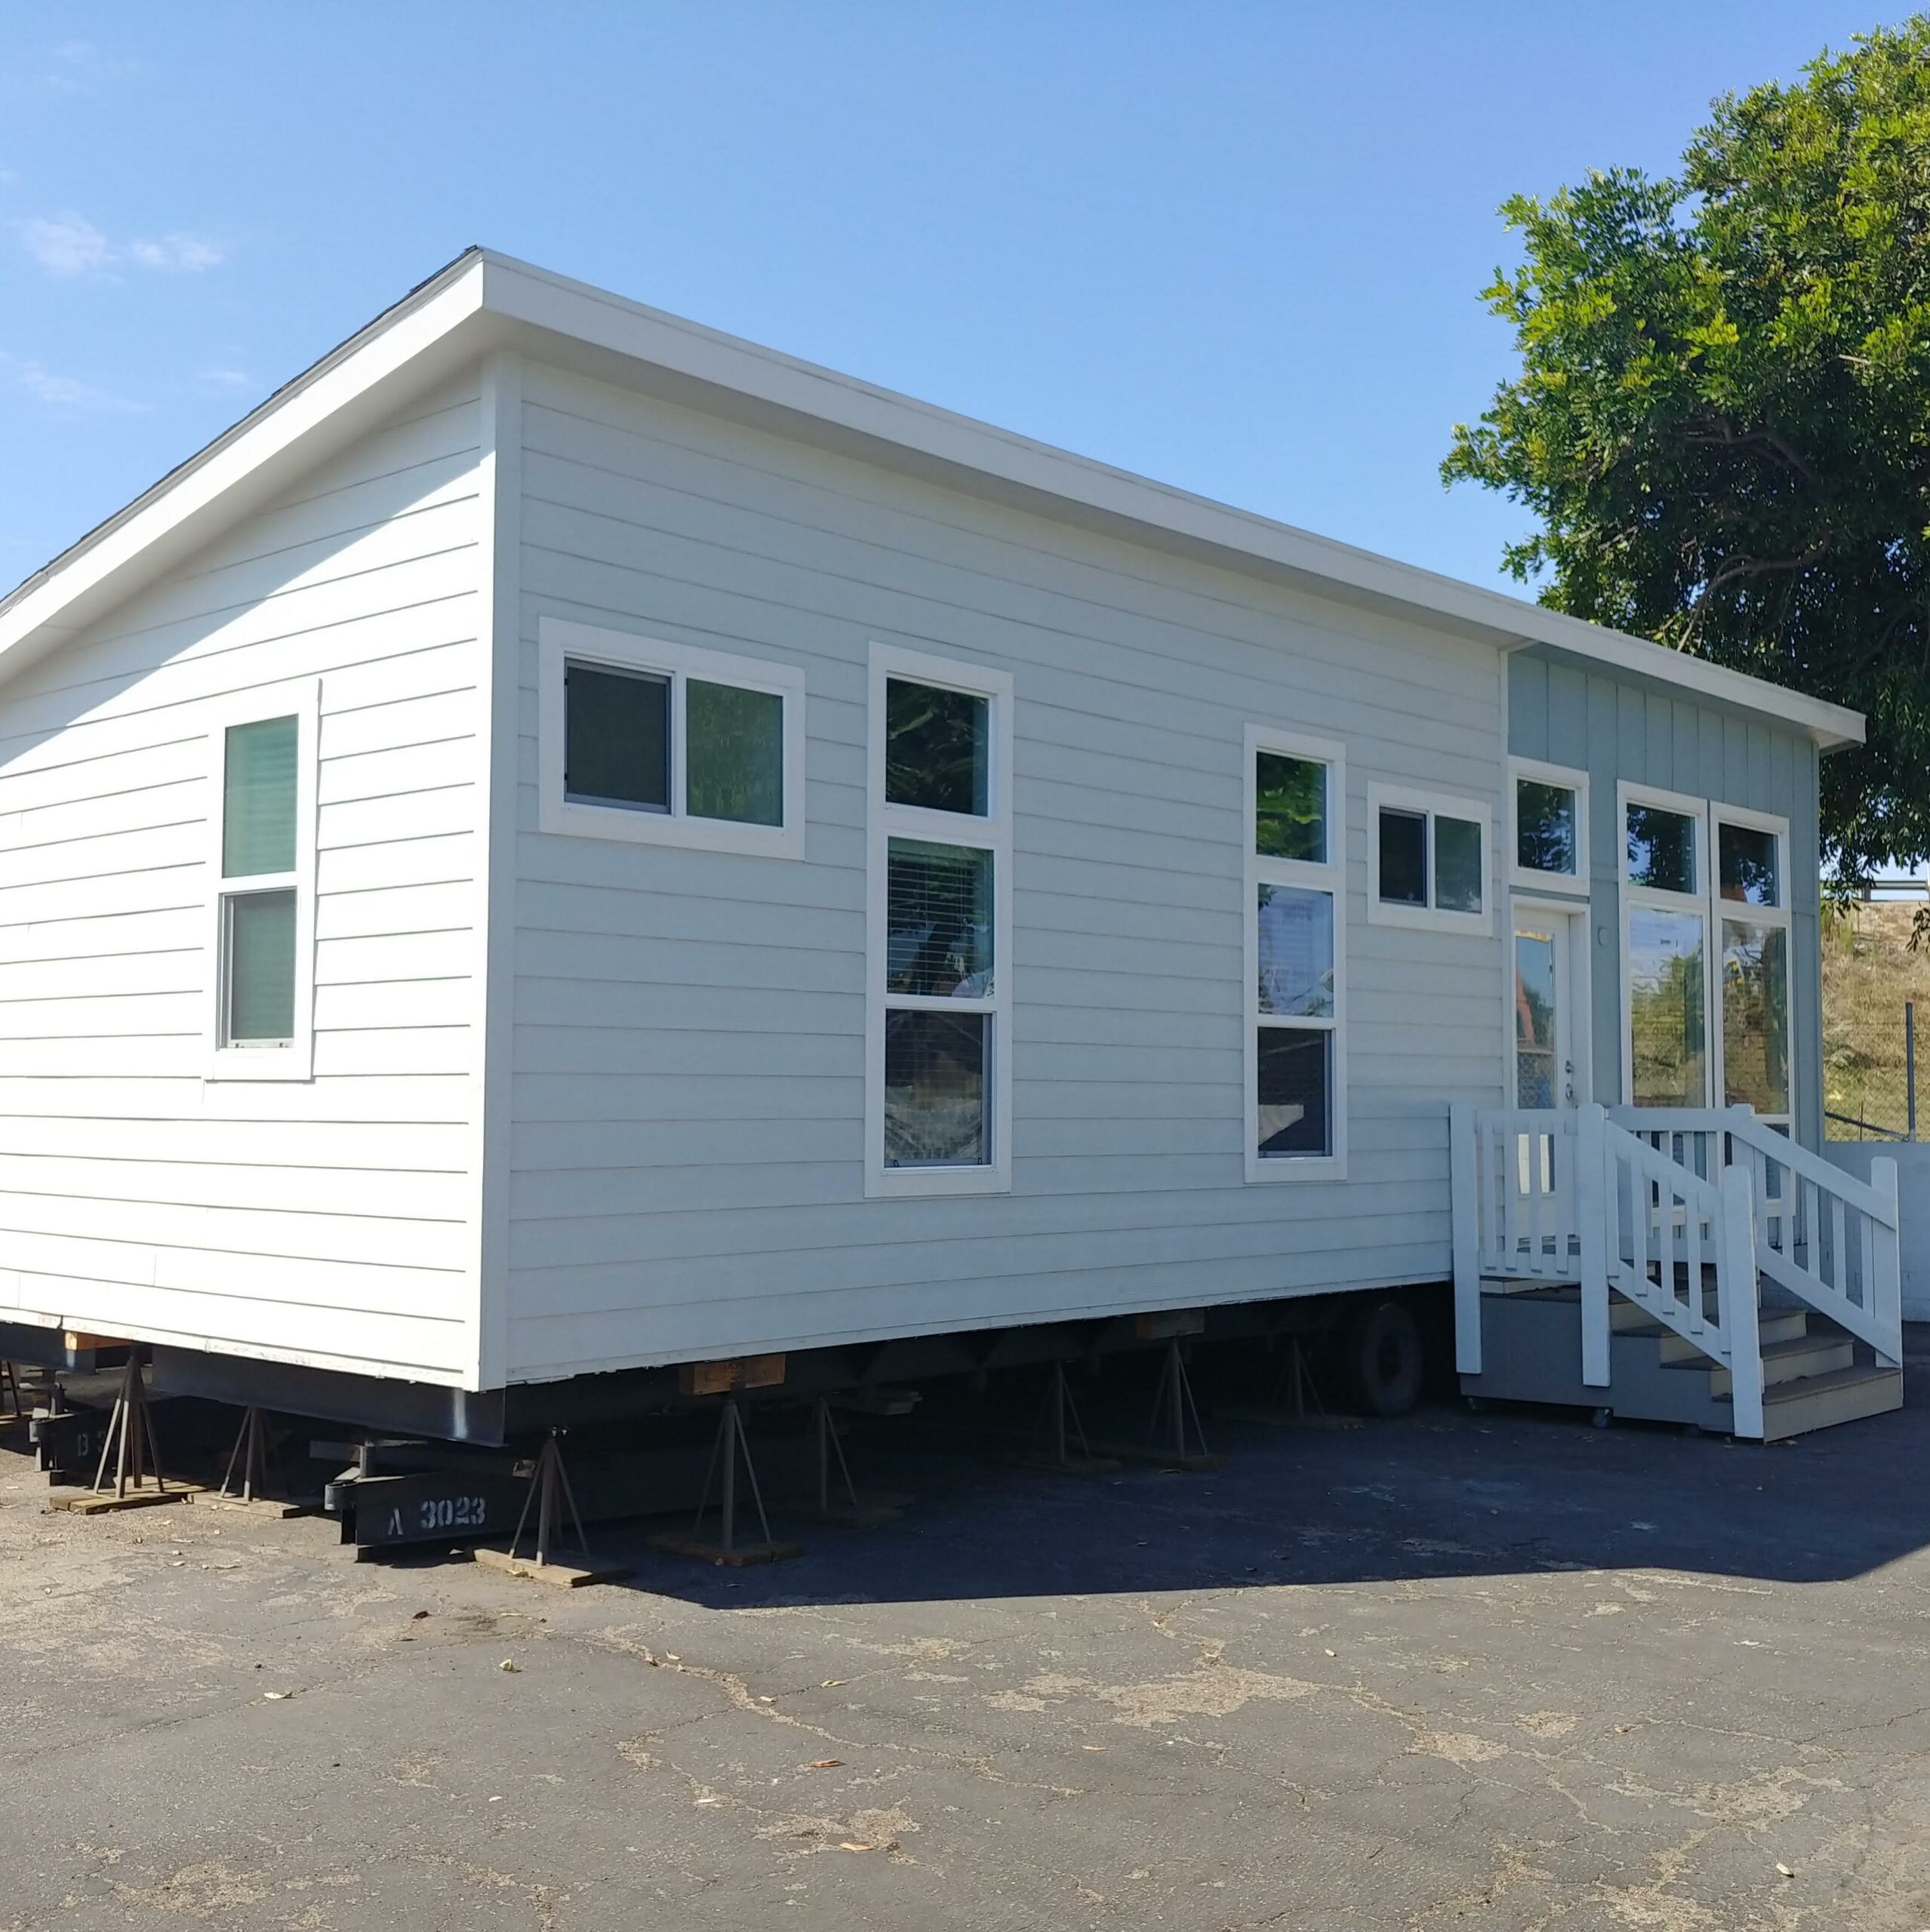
(1682, 1247)
(1829, 1239)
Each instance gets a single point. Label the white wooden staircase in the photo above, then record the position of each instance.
(1692, 1267)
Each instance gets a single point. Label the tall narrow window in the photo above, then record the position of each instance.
(939, 1078)
(263, 866)
(1296, 906)
(1665, 950)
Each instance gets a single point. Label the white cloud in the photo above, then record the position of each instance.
(69, 244)
(227, 379)
(66, 393)
(188, 254)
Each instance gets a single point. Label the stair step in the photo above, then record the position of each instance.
(1821, 1402)
(1807, 1358)
(1775, 1327)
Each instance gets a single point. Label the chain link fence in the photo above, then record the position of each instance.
(1875, 989)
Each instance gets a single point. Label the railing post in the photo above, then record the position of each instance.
(1886, 1291)
(1591, 1212)
(1463, 1188)
(1736, 1292)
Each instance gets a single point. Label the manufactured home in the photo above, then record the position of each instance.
(567, 844)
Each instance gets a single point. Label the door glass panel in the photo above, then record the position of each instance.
(1756, 1016)
(1661, 849)
(1747, 865)
(1545, 838)
(1540, 1078)
(1668, 1037)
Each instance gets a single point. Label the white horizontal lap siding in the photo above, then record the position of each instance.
(326, 1221)
(687, 1156)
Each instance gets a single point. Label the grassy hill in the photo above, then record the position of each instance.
(1869, 972)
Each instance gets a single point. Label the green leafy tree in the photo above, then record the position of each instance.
(1723, 418)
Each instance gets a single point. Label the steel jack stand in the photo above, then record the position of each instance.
(850, 1510)
(1060, 1423)
(1175, 1429)
(730, 1445)
(130, 1442)
(550, 1492)
(249, 1457)
(12, 1410)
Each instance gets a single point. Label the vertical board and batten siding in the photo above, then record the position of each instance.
(688, 1045)
(326, 1222)
(1621, 730)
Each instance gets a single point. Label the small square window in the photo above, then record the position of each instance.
(1456, 864)
(258, 798)
(937, 1092)
(937, 748)
(1294, 1101)
(1547, 838)
(1403, 837)
(1747, 859)
(1290, 807)
(617, 738)
(258, 946)
(939, 937)
(1661, 849)
(734, 754)
(1296, 952)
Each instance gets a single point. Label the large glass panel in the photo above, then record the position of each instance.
(1538, 1078)
(1756, 1016)
(1669, 1048)
(1546, 838)
(1747, 866)
(260, 942)
(1296, 1082)
(1456, 864)
(258, 795)
(1661, 849)
(936, 1089)
(734, 754)
(1290, 808)
(617, 738)
(938, 938)
(1296, 952)
(937, 748)
(1403, 837)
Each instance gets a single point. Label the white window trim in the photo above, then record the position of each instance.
(992, 833)
(1429, 918)
(1740, 910)
(1526, 878)
(560, 642)
(1633, 897)
(295, 1061)
(1330, 878)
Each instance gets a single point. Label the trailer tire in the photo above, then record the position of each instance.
(1385, 1357)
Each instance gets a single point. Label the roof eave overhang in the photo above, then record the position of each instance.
(484, 300)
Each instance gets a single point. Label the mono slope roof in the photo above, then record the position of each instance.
(483, 301)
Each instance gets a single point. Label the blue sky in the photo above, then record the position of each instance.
(1236, 247)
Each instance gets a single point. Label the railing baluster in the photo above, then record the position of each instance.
(1839, 1249)
(1692, 1260)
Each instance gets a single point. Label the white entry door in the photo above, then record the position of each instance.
(1544, 1024)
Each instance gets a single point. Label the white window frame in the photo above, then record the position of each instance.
(884, 821)
(1720, 909)
(1330, 878)
(1634, 896)
(295, 1061)
(1526, 878)
(561, 643)
(1429, 918)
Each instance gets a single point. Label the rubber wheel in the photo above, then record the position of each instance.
(1385, 1358)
